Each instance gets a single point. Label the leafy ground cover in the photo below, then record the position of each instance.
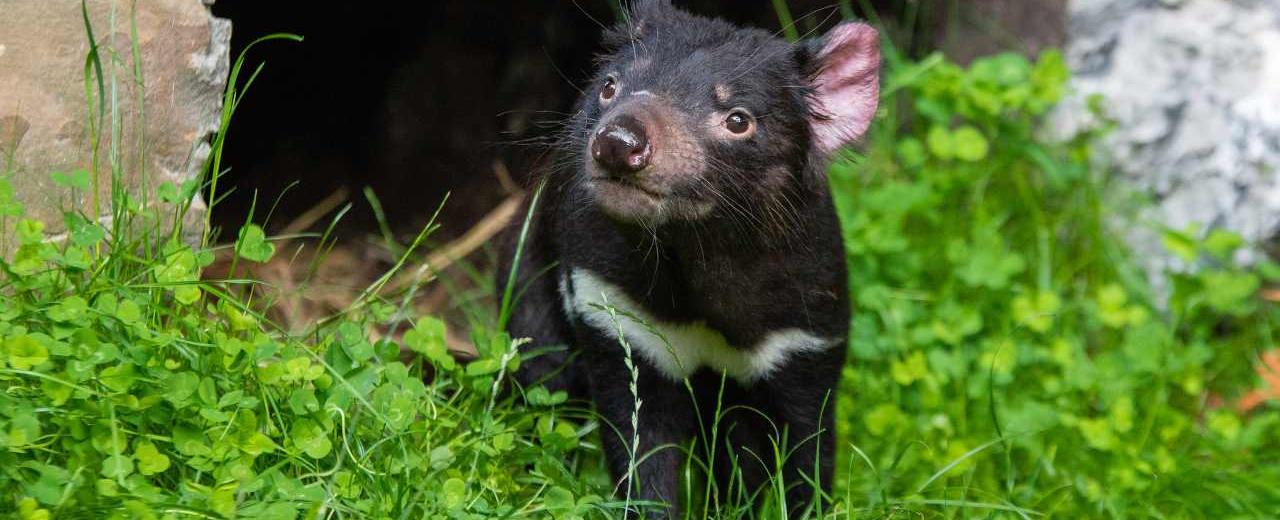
(1008, 358)
(1007, 348)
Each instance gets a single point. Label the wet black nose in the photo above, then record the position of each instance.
(621, 147)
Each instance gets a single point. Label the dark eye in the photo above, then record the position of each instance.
(609, 89)
(738, 122)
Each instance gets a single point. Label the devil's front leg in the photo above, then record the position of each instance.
(802, 399)
(536, 309)
(641, 446)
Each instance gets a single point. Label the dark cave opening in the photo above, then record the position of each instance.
(413, 100)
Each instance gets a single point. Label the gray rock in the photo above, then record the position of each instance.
(43, 108)
(1195, 88)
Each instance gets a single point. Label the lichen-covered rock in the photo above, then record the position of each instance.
(1194, 86)
(44, 112)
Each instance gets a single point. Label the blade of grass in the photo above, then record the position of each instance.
(230, 100)
(784, 19)
(504, 309)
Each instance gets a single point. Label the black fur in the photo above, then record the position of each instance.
(768, 257)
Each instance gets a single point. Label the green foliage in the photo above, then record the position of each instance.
(1005, 349)
(132, 388)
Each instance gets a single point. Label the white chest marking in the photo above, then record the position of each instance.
(679, 349)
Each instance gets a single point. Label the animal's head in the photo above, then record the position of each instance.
(690, 117)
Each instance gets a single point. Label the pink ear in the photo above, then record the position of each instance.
(846, 85)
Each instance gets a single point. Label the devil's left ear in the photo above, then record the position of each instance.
(843, 67)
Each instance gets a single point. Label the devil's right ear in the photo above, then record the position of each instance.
(640, 9)
(638, 21)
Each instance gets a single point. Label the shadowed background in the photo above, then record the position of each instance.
(416, 100)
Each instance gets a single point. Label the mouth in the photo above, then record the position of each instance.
(628, 200)
(634, 201)
(628, 185)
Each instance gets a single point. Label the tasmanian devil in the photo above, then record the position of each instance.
(688, 231)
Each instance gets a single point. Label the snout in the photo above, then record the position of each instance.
(621, 146)
(645, 163)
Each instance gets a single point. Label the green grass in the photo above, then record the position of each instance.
(1008, 358)
(1006, 348)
